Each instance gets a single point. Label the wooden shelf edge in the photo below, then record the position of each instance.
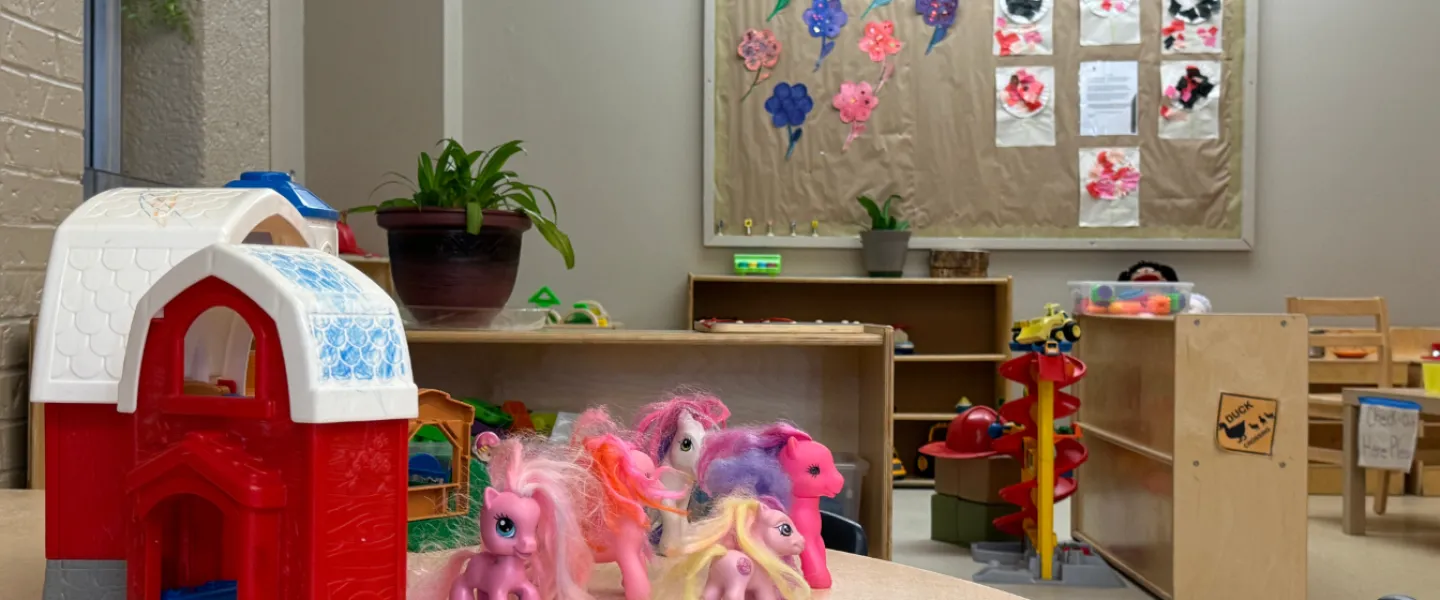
(1087, 429)
(852, 280)
(912, 483)
(1120, 565)
(640, 337)
(950, 357)
(937, 417)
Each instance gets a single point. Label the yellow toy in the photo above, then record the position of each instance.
(723, 551)
(1057, 325)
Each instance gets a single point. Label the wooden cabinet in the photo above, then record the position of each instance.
(960, 328)
(1158, 496)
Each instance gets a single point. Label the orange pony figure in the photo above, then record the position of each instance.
(618, 531)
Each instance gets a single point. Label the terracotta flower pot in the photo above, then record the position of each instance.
(441, 272)
(884, 252)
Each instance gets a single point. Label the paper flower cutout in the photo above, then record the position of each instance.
(1013, 41)
(1108, 8)
(1191, 91)
(1112, 177)
(1209, 35)
(823, 21)
(1025, 11)
(855, 103)
(788, 106)
(1025, 94)
(779, 6)
(874, 4)
(761, 51)
(880, 43)
(1193, 12)
(939, 14)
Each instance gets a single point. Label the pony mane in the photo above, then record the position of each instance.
(625, 490)
(729, 524)
(747, 459)
(557, 478)
(659, 421)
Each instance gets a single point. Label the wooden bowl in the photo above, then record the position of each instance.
(1351, 353)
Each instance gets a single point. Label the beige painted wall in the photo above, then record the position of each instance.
(42, 114)
(372, 98)
(608, 95)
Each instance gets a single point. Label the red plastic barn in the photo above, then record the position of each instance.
(295, 493)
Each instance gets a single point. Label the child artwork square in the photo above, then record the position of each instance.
(1109, 187)
(1024, 106)
(1024, 27)
(1190, 100)
(1192, 26)
(1109, 22)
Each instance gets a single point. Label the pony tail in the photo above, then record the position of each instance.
(791, 583)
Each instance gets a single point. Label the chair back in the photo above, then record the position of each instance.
(842, 534)
(1377, 338)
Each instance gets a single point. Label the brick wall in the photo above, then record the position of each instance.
(42, 116)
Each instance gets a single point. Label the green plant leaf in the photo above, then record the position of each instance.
(474, 218)
(877, 218)
(902, 226)
(498, 156)
(362, 209)
(397, 203)
(425, 174)
(555, 237)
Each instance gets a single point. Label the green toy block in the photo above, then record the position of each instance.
(757, 264)
(434, 535)
(544, 298)
(489, 414)
(429, 433)
(957, 521)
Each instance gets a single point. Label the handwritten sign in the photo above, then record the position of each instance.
(1387, 432)
(1246, 424)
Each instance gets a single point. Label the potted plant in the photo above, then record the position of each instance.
(455, 240)
(885, 243)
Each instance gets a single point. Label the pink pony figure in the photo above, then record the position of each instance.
(744, 550)
(525, 528)
(673, 434)
(628, 482)
(782, 461)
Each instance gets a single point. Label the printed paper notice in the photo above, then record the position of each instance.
(1387, 430)
(1109, 92)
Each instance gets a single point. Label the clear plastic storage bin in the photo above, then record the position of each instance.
(1132, 298)
(847, 502)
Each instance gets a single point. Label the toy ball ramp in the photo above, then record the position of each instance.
(1030, 370)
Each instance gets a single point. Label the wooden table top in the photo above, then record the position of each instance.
(22, 565)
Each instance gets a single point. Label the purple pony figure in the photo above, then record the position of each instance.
(673, 434)
(782, 461)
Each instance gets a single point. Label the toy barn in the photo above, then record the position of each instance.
(163, 477)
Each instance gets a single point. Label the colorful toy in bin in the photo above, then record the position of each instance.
(757, 264)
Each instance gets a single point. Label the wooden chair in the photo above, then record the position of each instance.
(1327, 408)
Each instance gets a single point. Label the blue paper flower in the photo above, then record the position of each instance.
(823, 21)
(788, 106)
(939, 14)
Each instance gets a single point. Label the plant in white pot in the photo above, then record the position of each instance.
(884, 245)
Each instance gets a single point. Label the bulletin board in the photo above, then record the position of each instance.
(942, 129)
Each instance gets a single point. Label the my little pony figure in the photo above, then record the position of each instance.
(525, 528)
(628, 481)
(781, 461)
(673, 434)
(742, 532)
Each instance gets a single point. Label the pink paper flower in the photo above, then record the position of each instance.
(1209, 35)
(1024, 89)
(1112, 177)
(855, 101)
(879, 40)
(759, 48)
(1033, 37)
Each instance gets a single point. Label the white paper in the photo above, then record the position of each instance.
(1199, 122)
(1024, 35)
(1184, 30)
(1109, 22)
(1123, 211)
(1015, 127)
(1387, 436)
(1109, 92)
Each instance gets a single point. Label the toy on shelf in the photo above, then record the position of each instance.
(148, 288)
(1145, 289)
(897, 466)
(585, 314)
(1031, 438)
(757, 264)
(1057, 326)
(673, 433)
(777, 325)
(781, 461)
(526, 528)
(436, 491)
(629, 482)
(903, 345)
(723, 552)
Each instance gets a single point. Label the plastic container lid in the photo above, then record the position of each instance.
(305, 201)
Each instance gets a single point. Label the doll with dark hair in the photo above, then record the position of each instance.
(1152, 271)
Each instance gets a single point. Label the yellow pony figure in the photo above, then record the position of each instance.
(723, 551)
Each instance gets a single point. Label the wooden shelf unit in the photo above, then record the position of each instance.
(960, 328)
(1158, 497)
(837, 386)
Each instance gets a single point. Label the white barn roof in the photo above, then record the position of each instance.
(109, 252)
(342, 337)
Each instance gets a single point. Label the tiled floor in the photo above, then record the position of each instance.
(1401, 554)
